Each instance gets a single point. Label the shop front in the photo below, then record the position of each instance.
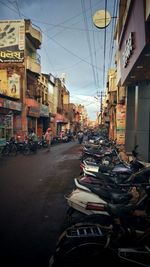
(33, 113)
(43, 120)
(135, 75)
(61, 123)
(53, 123)
(10, 118)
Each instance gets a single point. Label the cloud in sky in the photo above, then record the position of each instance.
(91, 104)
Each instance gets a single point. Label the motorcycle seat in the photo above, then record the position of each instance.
(141, 176)
(112, 196)
(119, 209)
(104, 168)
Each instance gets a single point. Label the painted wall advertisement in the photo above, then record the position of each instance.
(121, 123)
(10, 86)
(12, 40)
(14, 86)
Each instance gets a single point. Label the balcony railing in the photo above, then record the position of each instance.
(33, 34)
(33, 63)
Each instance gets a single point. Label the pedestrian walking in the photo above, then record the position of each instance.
(48, 137)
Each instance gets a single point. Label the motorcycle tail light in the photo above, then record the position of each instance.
(82, 166)
(95, 206)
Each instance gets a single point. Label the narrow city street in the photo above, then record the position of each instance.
(32, 203)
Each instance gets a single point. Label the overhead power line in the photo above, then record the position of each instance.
(104, 63)
(88, 40)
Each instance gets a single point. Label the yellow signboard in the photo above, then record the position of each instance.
(3, 82)
(121, 123)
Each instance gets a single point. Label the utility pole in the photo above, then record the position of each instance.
(100, 95)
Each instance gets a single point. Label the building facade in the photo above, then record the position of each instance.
(133, 36)
(19, 72)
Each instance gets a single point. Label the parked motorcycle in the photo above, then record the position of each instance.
(122, 238)
(121, 169)
(30, 147)
(88, 198)
(42, 143)
(101, 155)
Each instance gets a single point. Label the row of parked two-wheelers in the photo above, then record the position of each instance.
(13, 147)
(108, 218)
(29, 146)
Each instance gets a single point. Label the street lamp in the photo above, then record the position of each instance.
(101, 19)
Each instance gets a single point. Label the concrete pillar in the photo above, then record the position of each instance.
(138, 119)
(130, 119)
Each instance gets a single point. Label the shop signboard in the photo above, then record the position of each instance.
(12, 40)
(34, 112)
(33, 107)
(44, 112)
(132, 40)
(120, 120)
(3, 82)
(12, 105)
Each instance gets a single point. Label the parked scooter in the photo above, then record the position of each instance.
(100, 155)
(122, 237)
(87, 198)
(115, 164)
(122, 170)
(30, 147)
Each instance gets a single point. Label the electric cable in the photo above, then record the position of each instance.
(104, 46)
(112, 32)
(88, 39)
(95, 55)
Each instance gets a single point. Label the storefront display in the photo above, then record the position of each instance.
(6, 126)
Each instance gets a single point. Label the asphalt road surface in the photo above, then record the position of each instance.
(32, 203)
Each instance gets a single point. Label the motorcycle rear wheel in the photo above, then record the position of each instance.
(26, 150)
(73, 216)
(13, 151)
(5, 151)
(72, 251)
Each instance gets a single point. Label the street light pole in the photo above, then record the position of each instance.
(100, 95)
(101, 107)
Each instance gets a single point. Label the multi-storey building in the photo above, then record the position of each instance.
(63, 99)
(81, 117)
(111, 103)
(43, 119)
(133, 70)
(72, 116)
(19, 72)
